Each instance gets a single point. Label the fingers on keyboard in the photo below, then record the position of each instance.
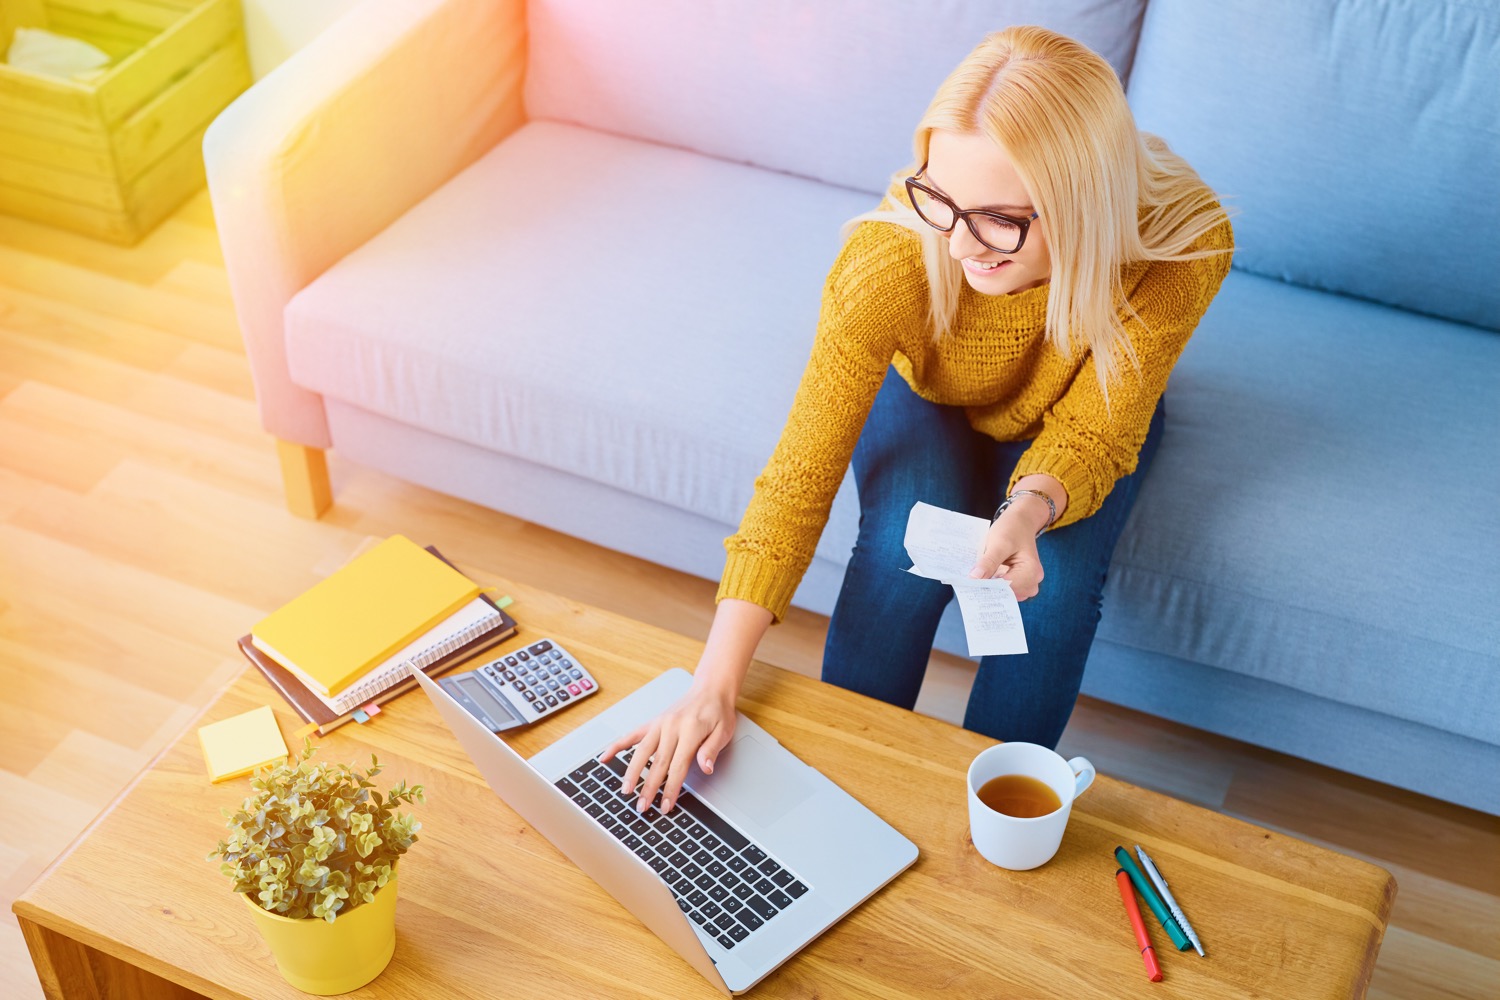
(720, 879)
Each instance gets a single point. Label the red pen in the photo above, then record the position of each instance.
(1148, 953)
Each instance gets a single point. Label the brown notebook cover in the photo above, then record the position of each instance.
(311, 707)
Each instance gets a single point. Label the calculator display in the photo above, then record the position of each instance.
(481, 696)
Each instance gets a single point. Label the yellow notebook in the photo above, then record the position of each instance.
(340, 629)
(235, 747)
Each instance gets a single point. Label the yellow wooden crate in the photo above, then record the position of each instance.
(111, 158)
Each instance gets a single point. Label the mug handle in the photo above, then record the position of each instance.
(1083, 775)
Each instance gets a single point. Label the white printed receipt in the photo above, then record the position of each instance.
(943, 545)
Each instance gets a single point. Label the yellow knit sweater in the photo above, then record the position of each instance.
(996, 363)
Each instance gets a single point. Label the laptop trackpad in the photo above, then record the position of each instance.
(764, 783)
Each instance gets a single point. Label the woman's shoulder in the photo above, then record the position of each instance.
(880, 259)
(1176, 289)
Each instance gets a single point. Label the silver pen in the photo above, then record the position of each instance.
(1166, 894)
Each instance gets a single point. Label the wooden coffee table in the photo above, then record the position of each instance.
(489, 908)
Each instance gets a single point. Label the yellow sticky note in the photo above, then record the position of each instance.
(235, 747)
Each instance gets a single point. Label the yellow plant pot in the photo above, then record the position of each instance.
(322, 958)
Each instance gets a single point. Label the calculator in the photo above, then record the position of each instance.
(522, 686)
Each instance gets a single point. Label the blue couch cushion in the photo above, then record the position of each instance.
(830, 90)
(1322, 512)
(594, 304)
(1360, 138)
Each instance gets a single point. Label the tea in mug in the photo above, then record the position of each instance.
(1019, 795)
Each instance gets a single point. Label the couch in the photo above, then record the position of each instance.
(563, 258)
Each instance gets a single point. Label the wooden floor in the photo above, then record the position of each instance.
(142, 529)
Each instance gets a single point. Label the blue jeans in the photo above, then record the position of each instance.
(880, 637)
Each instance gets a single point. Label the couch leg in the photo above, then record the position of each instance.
(304, 473)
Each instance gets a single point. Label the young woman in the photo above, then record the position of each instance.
(997, 333)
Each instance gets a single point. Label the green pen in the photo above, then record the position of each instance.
(1149, 894)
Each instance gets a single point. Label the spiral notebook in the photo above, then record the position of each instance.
(454, 632)
(472, 631)
(352, 622)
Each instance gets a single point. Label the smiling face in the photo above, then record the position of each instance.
(975, 173)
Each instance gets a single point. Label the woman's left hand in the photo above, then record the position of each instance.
(1010, 554)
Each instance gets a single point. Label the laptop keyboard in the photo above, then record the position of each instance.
(724, 881)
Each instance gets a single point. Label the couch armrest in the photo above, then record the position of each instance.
(387, 104)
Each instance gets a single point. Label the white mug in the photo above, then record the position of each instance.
(1015, 842)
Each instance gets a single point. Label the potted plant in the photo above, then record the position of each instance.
(313, 851)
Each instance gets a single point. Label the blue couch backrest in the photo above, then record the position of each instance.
(1360, 139)
(827, 89)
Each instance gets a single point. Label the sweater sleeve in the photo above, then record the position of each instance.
(1088, 445)
(873, 292)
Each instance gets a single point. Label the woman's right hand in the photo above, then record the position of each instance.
(700, 725)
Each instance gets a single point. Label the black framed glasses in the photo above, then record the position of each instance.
(1001, 233)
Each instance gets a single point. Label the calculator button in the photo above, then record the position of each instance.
(574, 689)
(541, 647)
(551, 702)
(567, 663)
(552, 685)
(518, 685)
(530, 695)
(586, 684)
(511, 661)
(523, 655)
(575, 673)
(562, 696)
(508, 675)
(539, 707)
(556, 671)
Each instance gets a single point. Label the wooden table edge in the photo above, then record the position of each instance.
(70, 960)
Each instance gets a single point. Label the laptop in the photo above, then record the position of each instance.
(755, 861)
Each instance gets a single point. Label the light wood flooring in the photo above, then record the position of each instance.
(142, 528)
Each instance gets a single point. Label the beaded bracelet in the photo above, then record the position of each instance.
(1051, 507)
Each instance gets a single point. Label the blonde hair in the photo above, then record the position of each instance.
(1108, 193)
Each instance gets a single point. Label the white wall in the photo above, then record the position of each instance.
(274, 29)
